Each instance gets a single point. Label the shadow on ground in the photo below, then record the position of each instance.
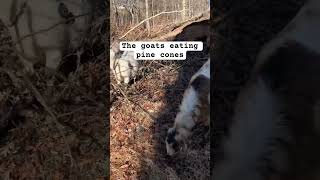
(194, 162)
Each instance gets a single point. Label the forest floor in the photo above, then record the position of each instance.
(140, 117)
(54, 126)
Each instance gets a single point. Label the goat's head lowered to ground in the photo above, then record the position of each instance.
(195, 107)
(44, 30)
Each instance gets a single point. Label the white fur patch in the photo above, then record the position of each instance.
(257, 113)
(44, 14)
(255, 123)
(189, 101)
(125, 67)
(184, 121)
(204, 70)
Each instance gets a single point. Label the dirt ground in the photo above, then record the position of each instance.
(140, 118)
(54, 126)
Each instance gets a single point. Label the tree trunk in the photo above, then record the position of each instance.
(152, 13)
(184, 8)
(147, 16)
(116, 13)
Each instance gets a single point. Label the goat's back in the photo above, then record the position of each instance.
(45, 20)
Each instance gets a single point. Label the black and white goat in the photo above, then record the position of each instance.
(275, 132)
(195, 107)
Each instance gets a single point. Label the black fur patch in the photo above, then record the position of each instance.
(293, 73)
(65, 13)
(200, 83)
(291, 66)
(171, 137)
(172, 141)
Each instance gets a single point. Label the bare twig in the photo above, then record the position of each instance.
(72, 112)
(164, 12)
(178, 27)
(193, 18)
(13, 78)
(125, 96)
(49, 28)
(42, 101)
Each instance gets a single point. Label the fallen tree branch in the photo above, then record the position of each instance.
(178, 27)
(193, 18)
(49, 28)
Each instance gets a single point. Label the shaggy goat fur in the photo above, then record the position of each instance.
(275, 129)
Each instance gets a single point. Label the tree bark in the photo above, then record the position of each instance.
(147, 15)
(184, 8)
